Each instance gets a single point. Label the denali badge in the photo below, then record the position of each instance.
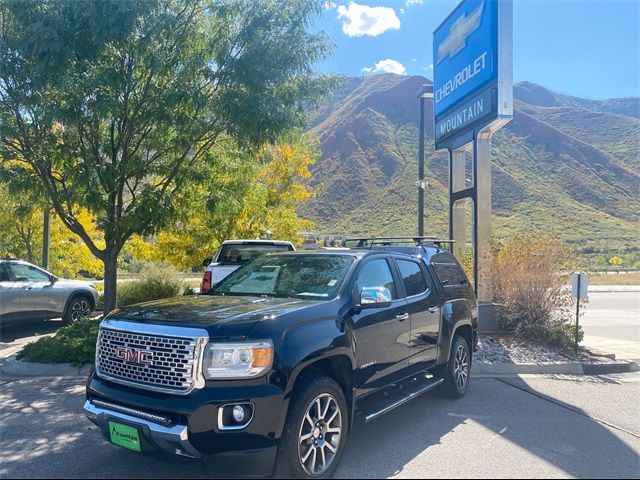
(131, 355)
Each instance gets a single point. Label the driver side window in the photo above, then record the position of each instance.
(377, 273)
(26, 273)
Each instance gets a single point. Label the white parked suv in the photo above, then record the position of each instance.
(233, 254)
(31, 293)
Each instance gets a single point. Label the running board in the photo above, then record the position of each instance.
(389, 403)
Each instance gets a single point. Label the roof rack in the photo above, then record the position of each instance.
(369, 242)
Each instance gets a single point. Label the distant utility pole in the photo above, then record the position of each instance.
(46, 234)
(424, 92)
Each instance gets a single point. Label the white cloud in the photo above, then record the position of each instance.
(414, 2)
(360, 20)
(387, 65)
(402, 11)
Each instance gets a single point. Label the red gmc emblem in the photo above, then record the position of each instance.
(131, 355)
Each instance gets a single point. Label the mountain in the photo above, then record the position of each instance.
(565, 165)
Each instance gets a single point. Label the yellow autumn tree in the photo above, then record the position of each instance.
(21, 225)
(240, 198)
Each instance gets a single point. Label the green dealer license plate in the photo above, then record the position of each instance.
(124, 436)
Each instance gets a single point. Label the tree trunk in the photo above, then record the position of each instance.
(110, 278)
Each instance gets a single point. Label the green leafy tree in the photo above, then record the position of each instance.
(236, 198)
(114, 105)
(20, 225)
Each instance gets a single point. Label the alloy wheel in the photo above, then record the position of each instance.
(320, 435)
(79, 309)
(461, 367)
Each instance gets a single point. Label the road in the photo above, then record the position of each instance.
(611, 323)
(509, 427)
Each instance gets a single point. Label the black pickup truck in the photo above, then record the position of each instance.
(270, 371)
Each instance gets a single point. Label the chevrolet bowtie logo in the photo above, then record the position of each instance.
(458, 33)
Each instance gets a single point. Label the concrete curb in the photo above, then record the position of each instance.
(566, 368)
(604, 368)
(15, 367)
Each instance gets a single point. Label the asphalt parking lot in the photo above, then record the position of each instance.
(511, 427)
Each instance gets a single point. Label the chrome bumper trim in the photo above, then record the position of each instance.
(171, 439)
(132, 412)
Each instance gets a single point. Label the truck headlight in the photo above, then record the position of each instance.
(237, 360)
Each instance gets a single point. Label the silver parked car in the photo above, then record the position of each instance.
(31, 293)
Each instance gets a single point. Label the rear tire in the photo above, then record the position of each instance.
(457, 371)
(78, 307)
(316, 430)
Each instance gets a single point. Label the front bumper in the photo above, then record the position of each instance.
(186, 426)
(171, 439)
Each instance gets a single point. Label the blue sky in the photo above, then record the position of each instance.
(588, 48)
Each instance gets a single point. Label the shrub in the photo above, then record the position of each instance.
(100, 302)
(75, 343)
(531, 286)
(156, 283)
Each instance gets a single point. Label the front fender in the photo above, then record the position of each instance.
(312, 342)
(85, 292)
(299, 346)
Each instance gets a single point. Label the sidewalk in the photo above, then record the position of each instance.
(611, 320)
(614, 288)
(624, 350)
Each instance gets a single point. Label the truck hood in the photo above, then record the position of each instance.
(221, 316)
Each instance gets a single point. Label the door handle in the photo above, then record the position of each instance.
(433, 309)
(401, 317)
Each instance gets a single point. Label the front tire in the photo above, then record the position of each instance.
(458, 370)
(315, 434)
(77, 308)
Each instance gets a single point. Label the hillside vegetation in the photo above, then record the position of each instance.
(564, 165)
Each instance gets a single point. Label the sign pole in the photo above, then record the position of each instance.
(579, 291)
(421, 184)
(482, 156)
(578, 311)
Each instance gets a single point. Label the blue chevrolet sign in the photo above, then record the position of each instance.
(464, 53)
(472, 69)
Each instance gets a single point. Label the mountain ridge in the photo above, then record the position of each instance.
(565, 165)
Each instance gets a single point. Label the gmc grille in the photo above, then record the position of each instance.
(172, 363)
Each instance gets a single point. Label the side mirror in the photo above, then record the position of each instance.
(374, 297)
(53, 279)
(207, 261)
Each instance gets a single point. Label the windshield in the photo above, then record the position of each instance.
(241, 253)
(310, 276)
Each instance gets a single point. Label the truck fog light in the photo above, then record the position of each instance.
(235, 416)
(238, 414)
